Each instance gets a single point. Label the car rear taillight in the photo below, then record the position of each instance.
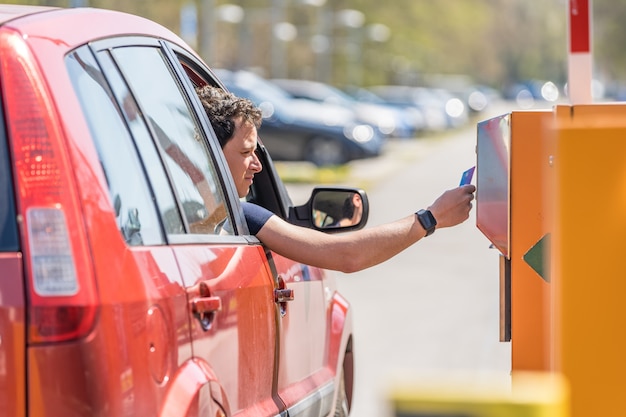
(61, 285)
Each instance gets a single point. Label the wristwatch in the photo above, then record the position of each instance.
(427, 220)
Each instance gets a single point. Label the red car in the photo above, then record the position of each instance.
(120, 295)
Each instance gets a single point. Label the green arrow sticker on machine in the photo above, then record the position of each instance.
(538, 257)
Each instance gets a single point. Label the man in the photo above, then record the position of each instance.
(236, 120)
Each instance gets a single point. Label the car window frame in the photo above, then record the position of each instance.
(233, 208)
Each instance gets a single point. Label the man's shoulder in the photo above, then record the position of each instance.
(256, 216)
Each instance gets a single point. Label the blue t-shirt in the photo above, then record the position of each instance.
(256, 216)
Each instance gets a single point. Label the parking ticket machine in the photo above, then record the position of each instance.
(551, 198)
(510, 212)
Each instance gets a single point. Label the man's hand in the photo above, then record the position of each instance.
(453, 206)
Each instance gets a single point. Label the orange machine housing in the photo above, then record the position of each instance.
(588, 250)
(511, 165)
(551, 197)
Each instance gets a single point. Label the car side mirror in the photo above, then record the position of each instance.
(333, 209)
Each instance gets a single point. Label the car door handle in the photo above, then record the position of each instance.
(204, 306)
(282, 295)
(204, 309)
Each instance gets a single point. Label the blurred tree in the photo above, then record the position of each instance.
(495, 42)
(609, 34)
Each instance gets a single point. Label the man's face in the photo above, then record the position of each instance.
(240, 156)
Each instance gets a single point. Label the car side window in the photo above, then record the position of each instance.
(130, 195)
(170, 215)
(184, 149)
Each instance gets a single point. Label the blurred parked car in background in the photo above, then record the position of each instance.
(477, 98)
(390, 121)
(302, 130)
(411, 115)
(526, 93)
(441, 109)
(130, 284)
(456, 109)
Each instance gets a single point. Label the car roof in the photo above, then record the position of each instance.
(75, 26)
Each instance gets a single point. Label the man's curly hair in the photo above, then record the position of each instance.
(223, 108)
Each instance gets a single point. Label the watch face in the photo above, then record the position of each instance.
(427, 220)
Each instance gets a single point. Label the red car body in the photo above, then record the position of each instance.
(96, 320)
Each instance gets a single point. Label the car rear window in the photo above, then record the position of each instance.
(8, 224)
(130, 194)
